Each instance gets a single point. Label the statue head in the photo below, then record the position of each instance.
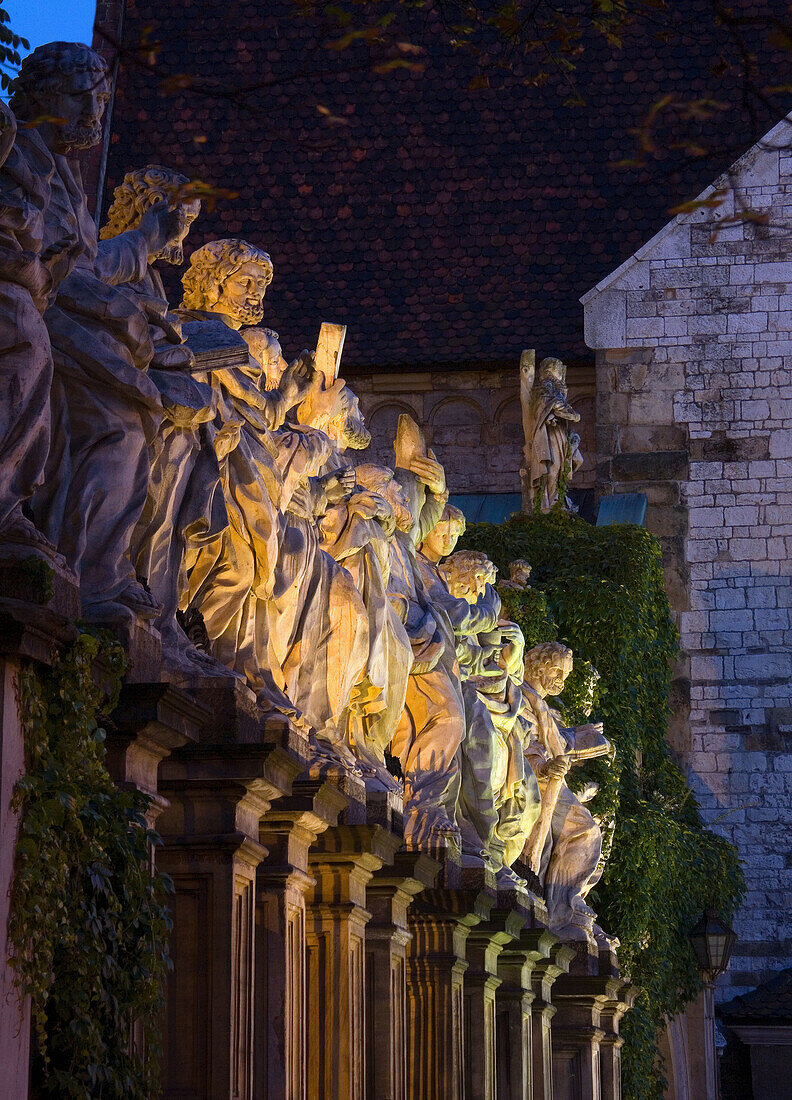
(519, 572)
(444, 536)
(228, 277)
(554, 370)
(67, 82)
(140, 190)
(346, 427)
(547, 667)
(467, 574)
(381, 480)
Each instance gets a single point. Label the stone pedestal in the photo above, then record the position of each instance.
(342, 862)
(547, 968)
(440, 922)
(287, 830)
(584, 1029)
(211, 849)
(149, 722)
(388, 898)
(482, 981)
(513, 1021)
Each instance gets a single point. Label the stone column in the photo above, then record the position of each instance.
(513, 1023)
(482, 981)
(547, 969)
(578, 1033)
(388, 897)
(218, 795)
(440, 922)
(610, 1048)
(342, 862)
(287, 830)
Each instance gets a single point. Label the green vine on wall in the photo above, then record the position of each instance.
(601, 591)
(88, 926)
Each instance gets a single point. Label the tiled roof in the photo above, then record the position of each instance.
(769, 1003)
(441, 224)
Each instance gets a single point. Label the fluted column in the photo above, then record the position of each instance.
(287, 830)
(390, 893)
(440, 921)
(545, 972)
(514, 1000)
(210, 831)
(342, 862)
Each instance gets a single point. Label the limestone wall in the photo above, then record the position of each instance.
(694, 407)
(471, 418)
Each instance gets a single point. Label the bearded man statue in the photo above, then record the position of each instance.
(104, 409)
(230, 575)
(185, 505)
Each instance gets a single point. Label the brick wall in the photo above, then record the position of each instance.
(694, 407)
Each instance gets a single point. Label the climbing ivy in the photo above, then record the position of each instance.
(600, 590)
(88, 925)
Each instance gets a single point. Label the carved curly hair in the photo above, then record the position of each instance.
(48, 69)
(211, 265)
(540, 659)
(458, 568)
(140, 190)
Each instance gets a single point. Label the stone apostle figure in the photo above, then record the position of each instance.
(566, 843)
(185, 505)
(552, 454)
(233, 576)
(104, 408)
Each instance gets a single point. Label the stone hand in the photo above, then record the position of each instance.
(173, 357)
(430, 472)
(227, 439)
(159, 225)
(297, 378)
(555, 768)
(338, 484)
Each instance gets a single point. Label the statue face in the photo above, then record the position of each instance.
(553, 678)
(173, 252)
(348, 430)
(519, 571)
(81, 105)
(242, 294)
(441, 541)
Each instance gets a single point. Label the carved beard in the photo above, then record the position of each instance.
(356, 436)
(244, 314)
(79, 135)
(404, 520)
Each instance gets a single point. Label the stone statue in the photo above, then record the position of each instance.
(566, 843)
(185, 505)
(519, 575)
(227, 279)
(500, 797)
(25, 357)
(552, 449)
(104, 409)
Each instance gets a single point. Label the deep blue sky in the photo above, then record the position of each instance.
(52, 20)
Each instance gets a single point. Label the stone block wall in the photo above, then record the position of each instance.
(471, 418)
(694, 408)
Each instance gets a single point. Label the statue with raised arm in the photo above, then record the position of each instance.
(185, 505)
(552, 448)
(565, 845)
(104, 409)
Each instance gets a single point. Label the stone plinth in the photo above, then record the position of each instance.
(287, 830)
(482, 981)
(440, 922)
(547, 968)
(586, 1045)
(514, 998)
(342, 862)
(389, 896)
(149, 722)
(210, 830)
